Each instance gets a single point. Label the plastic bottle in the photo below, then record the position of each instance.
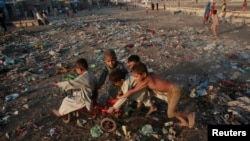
(11, 96)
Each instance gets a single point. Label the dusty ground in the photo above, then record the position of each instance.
(37, 120)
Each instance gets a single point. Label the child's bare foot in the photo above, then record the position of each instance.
(151, 110)
(56, 112)
(191, 120)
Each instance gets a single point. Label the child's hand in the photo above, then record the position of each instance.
(110, 110)
(121, 96)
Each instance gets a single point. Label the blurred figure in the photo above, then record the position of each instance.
(2, 21)
(40, 18)
(207, 12)
(244, 5)
(223, 12)
(215, 23)
(44, 16)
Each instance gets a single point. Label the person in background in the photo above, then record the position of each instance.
(244, 5)
(44, 16)
(39, 18)
(215, 23)
(223, 12)
(2, 21)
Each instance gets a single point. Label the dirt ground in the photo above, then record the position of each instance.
(36, 121)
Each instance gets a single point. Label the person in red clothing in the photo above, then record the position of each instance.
(207, 12)
(212, 9)
(244, 5)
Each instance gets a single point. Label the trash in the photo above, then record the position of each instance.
(124, 129)
(201, 92)
(177, 12)
(15, 113)
(193, 93)
(96, 131)
(164, 131)
(11, 96)
(80, 122)
(129, 46)
(172, 132)
(26, 106)
(69, 77)
(117, 132)
(2, 122)
(169, 123)
(7, 135)
(92, 66)
(52, 132)
(147, 130)
(28, 90)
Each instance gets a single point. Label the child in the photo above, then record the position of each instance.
(111, 63)
(85, 83)
(215, 23)
(161, 86)
(244, 5)
(126, 81)
(132, 60)
(2, 21)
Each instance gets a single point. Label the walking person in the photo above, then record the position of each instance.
(223, 12)
(157, 6)
(215, 23)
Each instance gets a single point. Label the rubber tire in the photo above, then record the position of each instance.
(67, 118)
(111, 123)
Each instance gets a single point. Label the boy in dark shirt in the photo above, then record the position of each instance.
(111, 63)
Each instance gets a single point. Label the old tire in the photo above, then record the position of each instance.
(108, 125)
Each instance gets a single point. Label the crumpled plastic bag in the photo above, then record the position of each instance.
(147, 130)
(96, 131)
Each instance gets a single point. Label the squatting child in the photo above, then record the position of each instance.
(85, 86)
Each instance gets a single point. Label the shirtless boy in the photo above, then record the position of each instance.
(161, 86)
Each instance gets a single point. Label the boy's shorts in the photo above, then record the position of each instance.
(172, 98)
